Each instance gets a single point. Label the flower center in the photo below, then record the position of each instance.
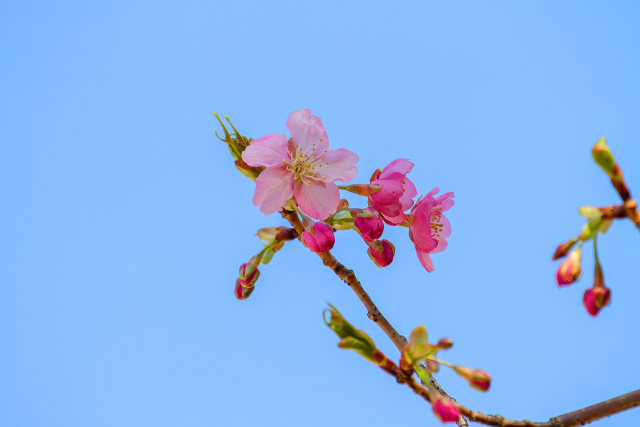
(305, 164)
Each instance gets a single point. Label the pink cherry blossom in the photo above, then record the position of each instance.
(302, 167)
(397, 192)
(430, 227)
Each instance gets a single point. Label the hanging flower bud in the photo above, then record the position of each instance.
(596, 298)
(368, 223)
(242, 291)
(381, 252)
(569, 271)
(320, 238)
(477, 378)
(444, 408)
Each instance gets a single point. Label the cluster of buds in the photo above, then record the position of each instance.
(418, 356)
(598, 222)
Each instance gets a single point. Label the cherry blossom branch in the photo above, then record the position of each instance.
(374, 314)
(571, 419)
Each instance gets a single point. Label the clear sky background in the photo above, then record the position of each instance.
(124, 221)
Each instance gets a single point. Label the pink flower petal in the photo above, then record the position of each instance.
(338, 165)
(442, 245)
(274, 187)
(397, 169)
(421, 232)
(319, 199)
(307, 130)
(267, 151)
(425, 260)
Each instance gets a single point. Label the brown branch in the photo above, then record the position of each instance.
(571, 419)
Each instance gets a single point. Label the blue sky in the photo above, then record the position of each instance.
(125, 222)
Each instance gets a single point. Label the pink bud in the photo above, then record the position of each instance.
(445, 343)
(445, 409)
(477, 378)
(369, 223)
(242, 291)
(320, 239)
(565, 247)
(381, 252)
(569, 271)
(249, 274)
(596, 298)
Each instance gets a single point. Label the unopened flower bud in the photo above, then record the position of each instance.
(242, 291)
(477, 378)
(596, 298)
(268, 234)
(445, 343)
(569, 271)
(249, 274)
(381, 252)
(368, 223)
(603, 157)
(564, 248)
(320, 239)
(444, 408)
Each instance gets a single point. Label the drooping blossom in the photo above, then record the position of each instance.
(368, 222)
(596, 298)
(430, 227)
(445, 409)
(381, 252)
(569, 271)
(397, 192)
(320, 238)
(302, 167)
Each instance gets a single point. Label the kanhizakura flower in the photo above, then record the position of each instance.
(396, 193)
(444, 408)
(381, 252)
(430, 227)
(596, 298)
(368, 222)
(569, 271)
(320, 238)
(301, 167)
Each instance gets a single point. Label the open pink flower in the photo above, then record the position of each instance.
(430, 227)
(302, 167)
(397, 192)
